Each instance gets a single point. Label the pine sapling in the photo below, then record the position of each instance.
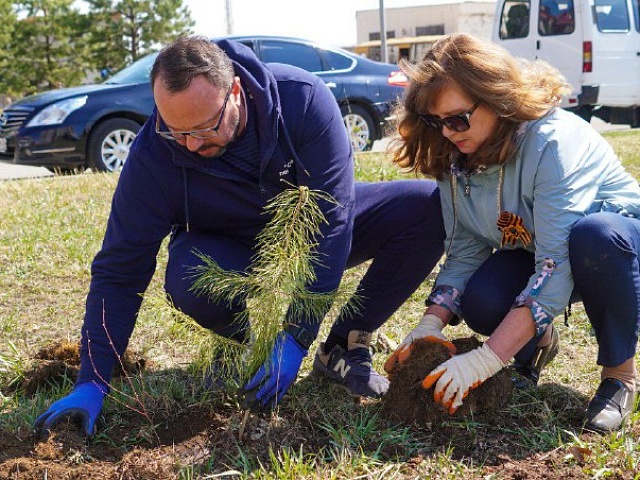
(279, 274)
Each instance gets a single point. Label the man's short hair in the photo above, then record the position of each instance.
(187, 57)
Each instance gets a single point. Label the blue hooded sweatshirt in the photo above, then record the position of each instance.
(164, 188)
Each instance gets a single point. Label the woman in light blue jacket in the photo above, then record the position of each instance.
(537, 207)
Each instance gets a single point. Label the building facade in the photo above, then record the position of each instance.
(421, 23)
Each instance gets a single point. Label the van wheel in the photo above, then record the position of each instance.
(109, 144)
(585, 112)
(360, 127)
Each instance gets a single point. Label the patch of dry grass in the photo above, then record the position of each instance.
(51, 228)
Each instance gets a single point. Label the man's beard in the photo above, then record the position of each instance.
(221, 149)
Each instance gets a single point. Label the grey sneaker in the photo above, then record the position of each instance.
(351, 368)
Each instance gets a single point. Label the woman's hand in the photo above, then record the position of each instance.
(454, 378)
(429, 329)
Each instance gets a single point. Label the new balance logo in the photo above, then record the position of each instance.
(341, 368)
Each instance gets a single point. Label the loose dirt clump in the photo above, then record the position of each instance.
(61, 360)
(407, 402)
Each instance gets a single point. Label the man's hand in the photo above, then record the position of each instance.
(460, 374)
(84, 402)
(275, 376)
(429, 329)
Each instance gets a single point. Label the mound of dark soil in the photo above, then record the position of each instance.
(61, 360)
(407, 402)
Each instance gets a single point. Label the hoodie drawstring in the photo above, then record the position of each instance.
(186, 197)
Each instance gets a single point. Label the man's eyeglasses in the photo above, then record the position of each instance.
(457, 123)
(200, 134)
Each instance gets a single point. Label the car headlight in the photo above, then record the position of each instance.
(56, 113)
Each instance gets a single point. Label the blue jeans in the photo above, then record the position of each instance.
(398, 225)
(603, 251)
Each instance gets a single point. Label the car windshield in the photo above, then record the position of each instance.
(137, 72)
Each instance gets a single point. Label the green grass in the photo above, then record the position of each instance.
(51, 228)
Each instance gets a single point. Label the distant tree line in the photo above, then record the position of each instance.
(47, 44)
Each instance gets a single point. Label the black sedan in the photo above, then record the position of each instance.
(93, 126)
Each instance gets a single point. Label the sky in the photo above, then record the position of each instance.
(332, 22)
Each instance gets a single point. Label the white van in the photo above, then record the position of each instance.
(594, 43)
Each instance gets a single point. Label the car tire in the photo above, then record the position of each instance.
(63, 170)
(360, 127)
(109, 144)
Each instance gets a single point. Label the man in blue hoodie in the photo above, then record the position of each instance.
(228, 134)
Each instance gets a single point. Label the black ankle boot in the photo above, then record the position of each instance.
(610, 407)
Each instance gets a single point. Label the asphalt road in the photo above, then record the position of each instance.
(9, 171)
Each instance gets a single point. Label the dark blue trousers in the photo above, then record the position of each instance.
(398, 226)
(603, 250)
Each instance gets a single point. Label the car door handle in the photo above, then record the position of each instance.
(331, 84)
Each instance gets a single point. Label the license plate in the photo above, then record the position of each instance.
(3, 145)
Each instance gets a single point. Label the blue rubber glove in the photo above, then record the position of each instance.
(275, 376)
(84, 402)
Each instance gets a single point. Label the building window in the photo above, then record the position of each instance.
(430, 30)
(376, 35)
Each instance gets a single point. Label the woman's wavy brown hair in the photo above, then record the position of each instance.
(516, 91)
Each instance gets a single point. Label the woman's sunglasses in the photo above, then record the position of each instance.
(457, 123)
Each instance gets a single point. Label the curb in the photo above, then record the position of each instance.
(10, 171)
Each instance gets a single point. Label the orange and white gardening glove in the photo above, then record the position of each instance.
(429, 329)
(460, 374)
